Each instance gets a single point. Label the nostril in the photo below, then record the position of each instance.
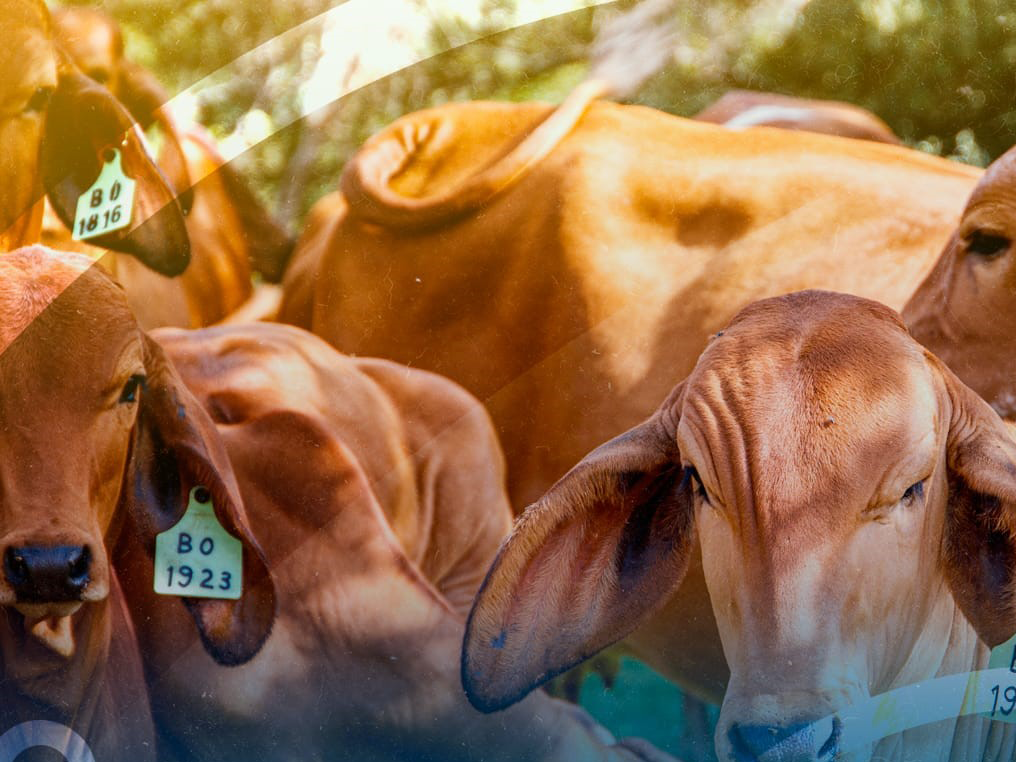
(48, 574)
(831, 747)
(78, 566)
(15, 567)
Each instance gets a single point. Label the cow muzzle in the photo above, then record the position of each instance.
(817, 741)
(48, 574)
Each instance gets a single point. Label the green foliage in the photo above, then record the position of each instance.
(940, 72)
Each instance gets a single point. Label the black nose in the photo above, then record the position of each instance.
(799, 742)
(48, 574)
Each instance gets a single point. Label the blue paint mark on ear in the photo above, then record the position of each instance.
(181, 412)
(499, 641)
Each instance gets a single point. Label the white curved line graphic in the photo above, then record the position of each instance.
(52, 735)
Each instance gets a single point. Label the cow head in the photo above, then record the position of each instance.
(963, 310)
(855, 506)
(56, 127)
(99, 436)
(93, 40)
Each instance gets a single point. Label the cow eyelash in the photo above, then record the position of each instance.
(39, 100)
(987, 245)
(913, 493)
(690, 474)
(130, 389)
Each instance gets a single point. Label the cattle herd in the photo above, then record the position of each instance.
(784, 352)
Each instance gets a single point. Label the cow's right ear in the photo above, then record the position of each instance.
(176, 447)
(588, 563)
(83, 123)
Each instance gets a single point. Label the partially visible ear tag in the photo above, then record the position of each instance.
(197, 558)
(1002, 696)
(108, 204)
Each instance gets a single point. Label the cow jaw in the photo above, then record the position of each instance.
(51, 625)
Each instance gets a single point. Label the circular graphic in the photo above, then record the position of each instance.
(44, 733)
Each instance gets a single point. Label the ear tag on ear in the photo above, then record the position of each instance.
(1001, 695)
(197, 558)
(108, 204)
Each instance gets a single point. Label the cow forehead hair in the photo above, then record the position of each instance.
(15, 13)
(32, 278)
(806, 379)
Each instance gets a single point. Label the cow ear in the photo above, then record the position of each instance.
(588, 563)
(83, 122)
(176, 447)
(146, 100)
(980, 536)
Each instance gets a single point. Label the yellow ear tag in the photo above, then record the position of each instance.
(197, 558)
(108, 204)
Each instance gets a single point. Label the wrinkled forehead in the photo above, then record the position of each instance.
(997, 184)
(62, 287)
(805, 402)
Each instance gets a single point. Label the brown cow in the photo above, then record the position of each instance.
(964, 309)
(55, 127)
(739, 109)
(377, 489)
(856, 508)
(230, 231)
(567, 291)
(100, 443)
(378, 493)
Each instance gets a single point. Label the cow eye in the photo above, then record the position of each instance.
(914, 493)
(39, 100)
(130, 389)
(690, 474)
(987, 245)
(99, 75)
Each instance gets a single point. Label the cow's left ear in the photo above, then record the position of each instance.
(83, 123)
(588, 563)
(176, 447)
(980, 535)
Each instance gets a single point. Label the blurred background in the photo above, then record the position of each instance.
(940, 72)
(291, 88)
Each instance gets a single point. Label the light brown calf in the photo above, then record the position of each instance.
(99, 444)
(739, 109)
(855, 504)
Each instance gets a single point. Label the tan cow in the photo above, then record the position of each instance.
(55, 127)
(856, 508)
(99, 443)
(231, 233)
(565, 265)
(739, 109)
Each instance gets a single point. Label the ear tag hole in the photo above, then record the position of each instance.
(108, 204)
(196, 557)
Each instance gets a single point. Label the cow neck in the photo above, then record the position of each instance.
(26, 230)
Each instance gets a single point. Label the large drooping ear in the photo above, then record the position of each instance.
(146, 99)
(980, 534)
(176, 447)
(83, 122)
(584, 566)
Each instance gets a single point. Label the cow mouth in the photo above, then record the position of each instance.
(51, 625)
